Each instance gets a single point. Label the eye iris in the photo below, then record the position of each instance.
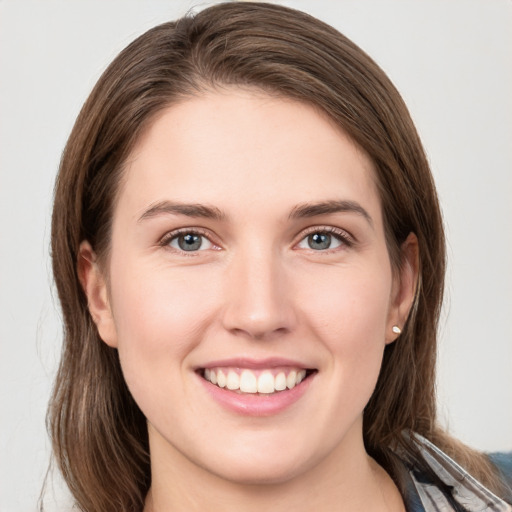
(189, 242)
(319, 241)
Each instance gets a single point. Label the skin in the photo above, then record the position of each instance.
(256, 289)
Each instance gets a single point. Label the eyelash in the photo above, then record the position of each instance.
(169, 237)
(345, 238)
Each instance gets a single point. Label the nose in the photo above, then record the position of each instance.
(258, 297)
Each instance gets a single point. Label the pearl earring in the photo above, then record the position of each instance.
(396, 329)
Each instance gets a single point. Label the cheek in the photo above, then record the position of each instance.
(160, 317)
(350, 320)
(350, 306)
(155, 306)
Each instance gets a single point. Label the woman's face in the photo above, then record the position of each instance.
(248, 253)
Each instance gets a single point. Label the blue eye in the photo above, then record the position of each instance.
(190, 242)
(322, 240)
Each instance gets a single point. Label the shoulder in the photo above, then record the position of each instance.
(503, 463)
(436, 482)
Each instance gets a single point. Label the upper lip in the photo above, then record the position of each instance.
(255, 364)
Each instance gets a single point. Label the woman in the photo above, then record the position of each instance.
(249, 255)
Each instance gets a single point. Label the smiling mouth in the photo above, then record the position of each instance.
(264, 382)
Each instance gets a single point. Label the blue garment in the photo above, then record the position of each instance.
(458, 492)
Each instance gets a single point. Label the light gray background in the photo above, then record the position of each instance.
(452, 62)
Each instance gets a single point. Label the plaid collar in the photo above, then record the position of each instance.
(455, 490)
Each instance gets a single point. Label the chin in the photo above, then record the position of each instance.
(259, 472)
(265, 460)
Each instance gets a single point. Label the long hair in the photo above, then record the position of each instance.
(99, 434)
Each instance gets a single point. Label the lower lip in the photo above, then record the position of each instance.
(250, 404)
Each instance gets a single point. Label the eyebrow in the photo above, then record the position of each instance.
(307, 210)
(300, 211)
(175, 208)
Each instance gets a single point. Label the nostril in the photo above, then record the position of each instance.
(257, 306)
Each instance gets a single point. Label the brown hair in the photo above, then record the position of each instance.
(99, 434)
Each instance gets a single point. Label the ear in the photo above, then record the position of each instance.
(95, 288)
(405, 283)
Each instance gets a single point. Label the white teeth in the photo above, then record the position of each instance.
(280, 382)
(266, 383)
(233, 380)
(291, 380)
(221, 379)
(248, 381)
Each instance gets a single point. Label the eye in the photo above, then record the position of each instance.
(324, 239)
(188, 241)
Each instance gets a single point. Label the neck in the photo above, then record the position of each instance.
(346, 480)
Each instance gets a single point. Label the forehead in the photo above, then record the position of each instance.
(245, 145)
